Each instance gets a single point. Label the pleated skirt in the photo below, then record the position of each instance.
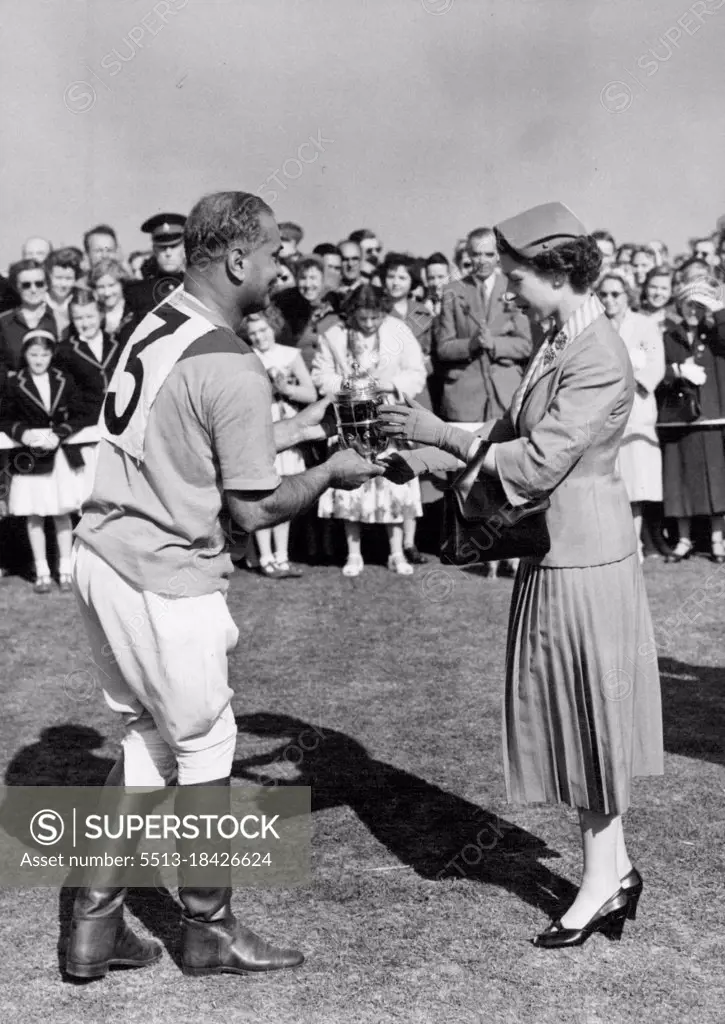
(582, 703)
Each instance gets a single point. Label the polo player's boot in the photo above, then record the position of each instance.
(99, 936)
(212, 940)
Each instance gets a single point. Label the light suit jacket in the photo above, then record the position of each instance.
(564, 445)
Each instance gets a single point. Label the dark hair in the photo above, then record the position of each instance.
(308, 263)
(367, 296)
(435, 258)
(326, 249)
(663, 271)
(288, 264)
(82, 297)
(694, 263)
(16, 269)
(221, 220)
(580, 260)
(100, 229)
(604, 236)
(625, 246)
(360, 235)
(66, 258)
(401, 259)
(291, 232)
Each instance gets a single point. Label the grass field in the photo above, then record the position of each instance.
(403, 679)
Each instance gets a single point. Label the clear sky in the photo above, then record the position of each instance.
(418, 118)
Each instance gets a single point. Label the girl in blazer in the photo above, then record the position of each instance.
(40, 412)
(582, 701)
(89, 356)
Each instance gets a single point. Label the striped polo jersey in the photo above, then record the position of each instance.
(209, 430)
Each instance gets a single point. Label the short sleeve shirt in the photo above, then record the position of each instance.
(157, 521)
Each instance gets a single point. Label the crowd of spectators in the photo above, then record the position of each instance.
(440, 330)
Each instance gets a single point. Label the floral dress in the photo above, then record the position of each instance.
(378, 500)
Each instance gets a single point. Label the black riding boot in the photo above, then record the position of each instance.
(212, 940)
(99, 936)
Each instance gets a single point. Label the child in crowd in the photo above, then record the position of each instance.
(89, 356)
(40, 411)
(292, 387)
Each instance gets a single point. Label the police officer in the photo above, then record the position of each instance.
(165, 270)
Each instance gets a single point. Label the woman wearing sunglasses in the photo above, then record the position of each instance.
(30, 280)
(640, 458)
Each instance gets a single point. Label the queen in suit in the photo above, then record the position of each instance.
(582, 707)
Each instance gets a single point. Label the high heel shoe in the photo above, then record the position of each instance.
(681, 552)
(632, 886)
(609, 920)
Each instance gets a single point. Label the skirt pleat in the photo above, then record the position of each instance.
(582, 705)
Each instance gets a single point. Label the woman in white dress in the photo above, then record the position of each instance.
(387, 349)
(292, 387)
(640, 458)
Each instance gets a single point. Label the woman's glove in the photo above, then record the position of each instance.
(691, 371)
(400, 467)
(411, 422)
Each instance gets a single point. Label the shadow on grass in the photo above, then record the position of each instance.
(436, 833)
(693, 709)
(65, 756)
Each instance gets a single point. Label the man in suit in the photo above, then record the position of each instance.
(165, 270)
(483, 342)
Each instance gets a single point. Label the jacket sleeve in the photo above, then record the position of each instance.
(590, 388)
(410, 376)
(11, 417)
(325, 370)
(449, 347)
(515, 345)
(75, 412)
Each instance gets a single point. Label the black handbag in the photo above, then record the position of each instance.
(679, 402)
(481, 525)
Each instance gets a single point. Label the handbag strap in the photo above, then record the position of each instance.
(469, 474)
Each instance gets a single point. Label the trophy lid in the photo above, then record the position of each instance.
(359, 386)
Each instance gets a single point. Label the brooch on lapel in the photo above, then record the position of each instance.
(554, 348)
